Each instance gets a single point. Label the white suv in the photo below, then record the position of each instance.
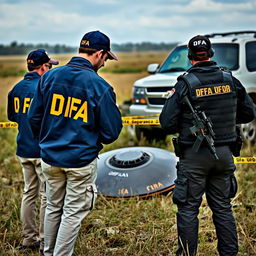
(234, 50)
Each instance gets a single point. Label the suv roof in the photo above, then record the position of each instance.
(232, 33)
(229, 37)
(232, 36)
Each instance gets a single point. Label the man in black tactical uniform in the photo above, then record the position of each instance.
(226, 103)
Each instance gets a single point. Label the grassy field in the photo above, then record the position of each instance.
(120, 74)
(119, 227)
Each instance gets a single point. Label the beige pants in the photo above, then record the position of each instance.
(34, 184)
(71, 194)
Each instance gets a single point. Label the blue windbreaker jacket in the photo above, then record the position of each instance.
(73, 112)
(19, 99)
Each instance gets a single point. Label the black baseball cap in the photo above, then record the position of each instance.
(39, 57)
(99, 41)
(199, 44)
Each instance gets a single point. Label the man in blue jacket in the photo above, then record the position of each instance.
(28, 151)
(74, 112)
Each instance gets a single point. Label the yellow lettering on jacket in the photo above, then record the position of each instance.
(57, 104)
(73, 107)
(70, 107)
(26, 104)
(67, 107)
(215, 90)
(16, 104)
(82, 112)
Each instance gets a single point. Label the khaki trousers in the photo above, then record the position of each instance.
(71, 194)
(34, 184)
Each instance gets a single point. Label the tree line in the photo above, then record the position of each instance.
(15, 48)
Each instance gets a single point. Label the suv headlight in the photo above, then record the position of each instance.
(139, 96)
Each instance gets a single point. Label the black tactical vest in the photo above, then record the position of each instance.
(215, 93)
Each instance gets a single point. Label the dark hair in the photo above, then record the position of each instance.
(199, 56)
(89, 51)
(33, 67)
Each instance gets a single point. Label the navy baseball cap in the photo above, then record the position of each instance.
(200, 47)
(39, 57)
(99, 41)
(199, 43)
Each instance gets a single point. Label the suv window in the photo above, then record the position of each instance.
(176, 61)
(250, 49)
(226, 55)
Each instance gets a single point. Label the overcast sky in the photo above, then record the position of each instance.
(66, 21)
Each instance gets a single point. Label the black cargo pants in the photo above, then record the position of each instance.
(199, 173)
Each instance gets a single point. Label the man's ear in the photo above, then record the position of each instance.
(98, 53)
(43, 68)
(101, 53)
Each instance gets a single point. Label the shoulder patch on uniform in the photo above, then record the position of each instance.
(168, 94)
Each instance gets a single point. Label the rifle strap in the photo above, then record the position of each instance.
(191, 81)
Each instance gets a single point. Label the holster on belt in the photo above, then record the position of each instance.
(237, 145)
(177, 146)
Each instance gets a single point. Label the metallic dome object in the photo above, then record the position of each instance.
(136, 171)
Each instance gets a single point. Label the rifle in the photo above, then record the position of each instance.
(202, 129)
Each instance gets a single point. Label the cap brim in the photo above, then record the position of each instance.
(53, 62)
(112, 56)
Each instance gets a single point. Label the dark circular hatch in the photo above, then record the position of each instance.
(129, 159)
(135, 171)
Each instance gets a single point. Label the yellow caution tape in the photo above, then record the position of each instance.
(136, 117)
(141, 120)
(245, 160)
(130, 121)
(8, 125)
(127, 120)
(134, 120)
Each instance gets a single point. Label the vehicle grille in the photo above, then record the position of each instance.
(155, 95)
(156, 101)
(159, 89)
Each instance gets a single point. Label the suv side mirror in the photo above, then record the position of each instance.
(152, 68)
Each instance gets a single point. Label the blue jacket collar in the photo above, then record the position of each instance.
(79, 61)
(31, 75)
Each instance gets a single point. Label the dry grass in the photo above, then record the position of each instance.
(121, 82)
(121, 227)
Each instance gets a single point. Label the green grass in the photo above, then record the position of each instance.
(126, 227)
(12, 72)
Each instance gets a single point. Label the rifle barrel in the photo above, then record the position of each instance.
(202, 123)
